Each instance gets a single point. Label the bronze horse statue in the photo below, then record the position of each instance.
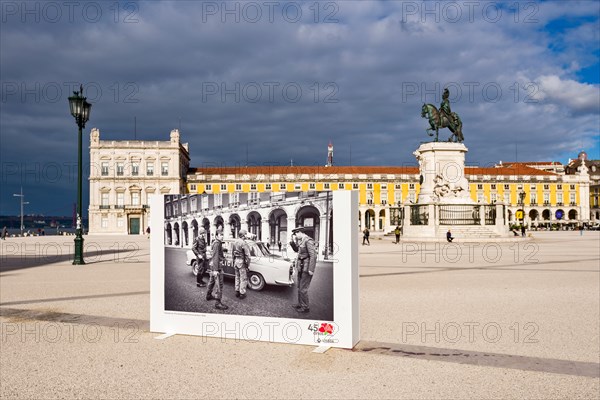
(437, 121)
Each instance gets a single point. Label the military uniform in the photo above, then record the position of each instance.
(241, 261)
(305, 263)
(216, 273)
(215, 265)
(199, 249)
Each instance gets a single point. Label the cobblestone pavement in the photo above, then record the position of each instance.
(438, 320)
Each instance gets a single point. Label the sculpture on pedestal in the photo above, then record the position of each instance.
(443, 118)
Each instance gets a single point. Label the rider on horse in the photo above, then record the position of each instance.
(445, 109)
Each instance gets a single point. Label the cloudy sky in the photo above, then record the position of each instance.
(269, 82)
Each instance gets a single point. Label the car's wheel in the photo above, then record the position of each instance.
(256, 281)
(195, 267)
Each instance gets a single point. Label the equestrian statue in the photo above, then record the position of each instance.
(443, 118)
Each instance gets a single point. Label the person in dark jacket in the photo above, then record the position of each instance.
(216, 272)
(241, 263)
(306, 263)
(449, 236)
(199, 249)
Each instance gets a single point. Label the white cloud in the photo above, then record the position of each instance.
(580, 97)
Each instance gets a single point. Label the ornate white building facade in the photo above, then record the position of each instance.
(124, 173)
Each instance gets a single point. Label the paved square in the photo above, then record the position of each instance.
(462, 320)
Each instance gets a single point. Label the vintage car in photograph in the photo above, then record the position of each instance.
(265, 268)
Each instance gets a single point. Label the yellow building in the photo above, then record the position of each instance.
(545, 198)
(125, 173)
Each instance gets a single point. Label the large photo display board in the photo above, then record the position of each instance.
(278, 267)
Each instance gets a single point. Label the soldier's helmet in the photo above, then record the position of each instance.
(243, 233)
(201, 231)
(219, 231)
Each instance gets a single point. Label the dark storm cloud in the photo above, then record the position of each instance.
(270, 89)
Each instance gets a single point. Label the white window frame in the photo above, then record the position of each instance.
(104, 168)
(150, 168)
(120, 169)
(120, 199)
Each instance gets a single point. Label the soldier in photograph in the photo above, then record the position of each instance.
(241, 263)
(306, 263)
(199, 249)
(216, 272)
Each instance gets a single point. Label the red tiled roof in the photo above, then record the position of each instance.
(534, 163)
(517, 169)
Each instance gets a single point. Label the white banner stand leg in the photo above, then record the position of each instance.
(164, 336)
(321, 349)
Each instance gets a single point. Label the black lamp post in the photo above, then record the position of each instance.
(80, 110)
(522, 197)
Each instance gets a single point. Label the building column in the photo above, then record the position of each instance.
(322, 236)
(265, 230)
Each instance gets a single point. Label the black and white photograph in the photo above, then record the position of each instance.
(266, 254)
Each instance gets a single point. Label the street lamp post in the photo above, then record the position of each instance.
(522, 197)
(80, 110)
(22, 196)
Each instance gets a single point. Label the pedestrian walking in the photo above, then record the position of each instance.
(306, 263)
(397, 233)
(199, 249)
(4, 233)
(241, 263)
(279, 244)
(523, 230)
(215, 265)
(449, 237)
(366, 236)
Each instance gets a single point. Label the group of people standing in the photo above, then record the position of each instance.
(214, 265)
(301, 243)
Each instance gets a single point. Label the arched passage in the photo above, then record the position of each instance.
(194, 229)
(176, 231)
(310, 218)
(169, 234)
(278, 226)
(254, 224)
(572, 214)
(184, 230)
(546, 215)
(206, 226)
(381, 219)
(235, 223)
(370, 219)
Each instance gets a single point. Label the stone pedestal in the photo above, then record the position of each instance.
(444, 202)
(442, 168)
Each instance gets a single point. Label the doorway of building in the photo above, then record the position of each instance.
(134, 226)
